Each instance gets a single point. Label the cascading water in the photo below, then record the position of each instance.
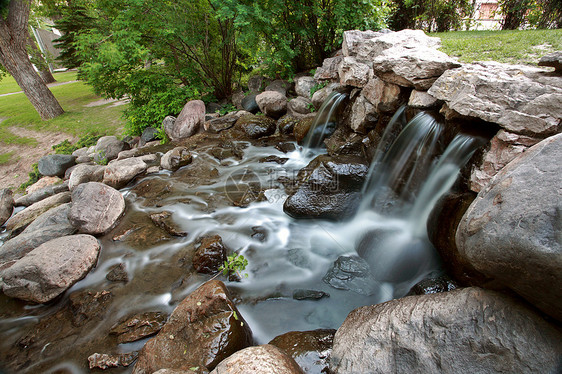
(324, 123)
(288, 255)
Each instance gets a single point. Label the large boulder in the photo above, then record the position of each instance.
(96, 208)
(354, 73)
(412, 67)
(299, 107)
(107, 148)
(272, 103)
(367, 45)
(119, 173)
(462, 331)
(189, 121)
(51, 268)
(204, 329)
(514, 97)
(6, 205)
(511, 232)
(50, 225)
(19, 221)
(85, 174)
(553, 59)
(280, 86)
(249, 104)
(263, 359)
(364, 115)
(329, 69)
(327, 188)
(383, 95)
(55, 165)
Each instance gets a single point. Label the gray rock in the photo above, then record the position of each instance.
(512, 231)
(257, 126)
(303, 85)
(217, 125)
(176, 158)
(368, 45)
(412, 67)
(553, 59)
(250, 105)
(463, 331)
(383, 95)
(43, 193)
(51, 268)
(422, 100)
(189, 121)
(280, 86)
(18, 222)
(96, 208)
(6, 205)
(262, 359)
(85, 174)
(329, 69)
(107, 148)
(128, 153)
(503, 94)
(503, 148)
(351, 273)
(272, 103)
(148, 134)
(299, 107)
(119, 173)
(354, 73)
(237, 98)
(255, 84)
(81, 152)
(363, 116)
(55, 165)
(204, 329)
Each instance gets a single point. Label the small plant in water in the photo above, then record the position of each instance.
(234, 263)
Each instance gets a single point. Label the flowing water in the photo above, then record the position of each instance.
(324, 123)
(284, 254)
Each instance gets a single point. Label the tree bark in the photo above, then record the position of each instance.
(14, 58)
(40, 62)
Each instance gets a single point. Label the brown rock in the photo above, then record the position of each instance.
(210, 255)
(204, 329)
(139, 326)
(106, 361)
(189, 121)
(6, 205)
(165, 221)
(272, 103)
(263, 359)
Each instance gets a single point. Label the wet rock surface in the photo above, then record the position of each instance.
(139, 326)
(263, 359)
(257, 126)
(210, 255)
(105, 361)
(513, 227)
(433, 285)
(467, 330)
(165, 221)
(50, 269)
(310, 349)
(301, 294)
(6, 205)
(204, 329)
(176, 158)
(351, 273)
(95, 208)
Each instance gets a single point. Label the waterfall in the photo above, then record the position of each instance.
(324, 123)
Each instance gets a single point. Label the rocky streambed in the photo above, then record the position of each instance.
(117, 267)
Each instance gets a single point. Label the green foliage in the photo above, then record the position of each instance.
(318, 87)
(100, 158)
(66, 148)
(162, 136)
(226, 109)
(6, 157)
(34, 176)
(546, 14)
(72, 20)
(234, 263)
(514, 12)
(290, 36)
(430, 15)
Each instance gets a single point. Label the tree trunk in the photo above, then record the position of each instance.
(40, 62)
(14, 58)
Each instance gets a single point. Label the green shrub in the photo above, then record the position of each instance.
(66, 148)
(34, 176)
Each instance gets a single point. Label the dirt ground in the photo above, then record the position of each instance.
(15, 172)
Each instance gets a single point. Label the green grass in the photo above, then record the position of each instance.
(9, 85)
(77, 121)
(514, 47)
(5, 157)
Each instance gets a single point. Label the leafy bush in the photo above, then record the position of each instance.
(34, 176)
(317, 87)
(66, 148)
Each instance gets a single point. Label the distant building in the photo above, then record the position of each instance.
(486, 16)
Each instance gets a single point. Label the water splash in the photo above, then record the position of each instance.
(324, 123)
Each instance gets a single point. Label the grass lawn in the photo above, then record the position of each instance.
(8, 84)
(514, 47)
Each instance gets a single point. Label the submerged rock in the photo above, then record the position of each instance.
(88, 305)
(117, 273)
(165, 221)
(463, 331)
(310, 349)
(433, 285)
(300, 294)
(262, 359)
(51, 268)
(351, 273)
(511, 232)
(96, 208)
(105, 361)
(205, 328)
(138, 326)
